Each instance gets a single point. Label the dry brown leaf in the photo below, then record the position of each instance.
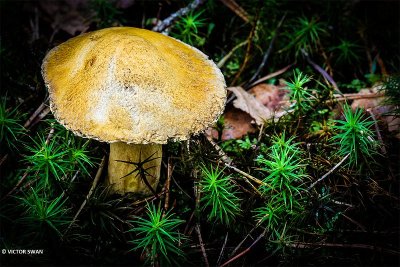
(367, 103)
(248, 103)
(270, 95)
(378, 108)
(237, 123)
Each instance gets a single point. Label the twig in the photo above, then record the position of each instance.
(248, 234)
(357, 96)
(238, 10)
(167, 185)
(345, 97)
(222, 249)
(342, 203)
(225, 158)
(329, 172)
(260, 132)
(227, 161)
(266, 55)
(181, 189)
(320, 70)
(203, 250)
(3, 159)
(335, 245)
(50, 135)
(254, 179)
(362, 227)
(35, 114)
(381, 65)
(378, 132)
(40, 116)
(222, 62)
(94, 184)
(152, 197)
(162, 25)
(17, 185)
(246, 250)
(185, 231)
(271, 75)
(247, 55)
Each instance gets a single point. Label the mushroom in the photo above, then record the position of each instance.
(135, 89)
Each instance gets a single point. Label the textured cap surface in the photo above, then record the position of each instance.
(132, 85)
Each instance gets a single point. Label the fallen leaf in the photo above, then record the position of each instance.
(237, 124)
(378, 108)
(368, 103)
(249, 104)
(270, 95)
(263, 101)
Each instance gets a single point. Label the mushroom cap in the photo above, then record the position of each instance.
(132, 85)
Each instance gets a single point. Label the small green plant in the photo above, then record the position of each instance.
(391, 87)
(286, 171)
(43, 213)
(323, 130)
(78, 156)
(355, 84)
(10, 127)
(47, 158)
(105, 213)
(106, 12)
(347, 52)
(187, 29)
(157, 236)
(300, 96)
(246, 144)
(354, 136)
(219, 194)
(59, 156)
(305, 35)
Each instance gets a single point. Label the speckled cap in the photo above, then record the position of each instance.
(132, 85)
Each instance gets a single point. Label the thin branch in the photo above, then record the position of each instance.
(50, 135)
(237, 9)
(248, 50)
(357, 96)
(320, 70)
(164, 24)
(222, 249)
(17, 185)
(378, 132)
(270, 76)
(246, 250)
(227, 161)
(335, 245)
(222, 62)
(94, 184)
(41, 107)
(147, 199)
(268, 52)
(167, 184)
(225, 158)
(203, 250)
(248, 234)
(3, 159)
(329, 172)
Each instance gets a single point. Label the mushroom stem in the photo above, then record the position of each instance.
(137, 161)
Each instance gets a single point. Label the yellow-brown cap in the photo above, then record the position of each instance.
(132, 85)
